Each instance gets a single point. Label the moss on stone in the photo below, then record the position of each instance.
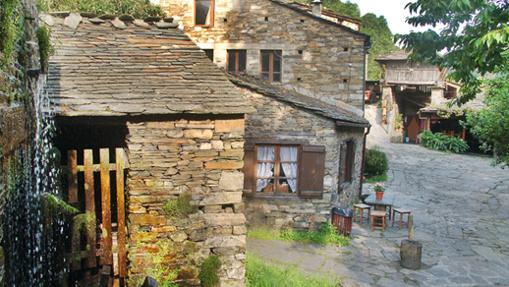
(209, 271)
(45, 47)
(52, 205)
(180, 207)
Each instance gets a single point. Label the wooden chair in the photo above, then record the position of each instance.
(361, 207)
(401, 213)
(378, 216)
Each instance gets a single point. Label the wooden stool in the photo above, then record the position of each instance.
(378, 215)
(361, 207)
(401, 212)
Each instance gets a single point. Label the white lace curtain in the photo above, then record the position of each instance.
(264, 170)
(289, 159)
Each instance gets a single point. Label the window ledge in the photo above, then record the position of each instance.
(292, 196)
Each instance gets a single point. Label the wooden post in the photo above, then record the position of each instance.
(88, 161)
(122, 253)
(72, 178)
(411, 250)
(410, 227)
(106, 235)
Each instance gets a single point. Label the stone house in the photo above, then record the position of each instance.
(147, 89)
(306, 53)
(415, 98)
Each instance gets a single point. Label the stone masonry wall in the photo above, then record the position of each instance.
(319, 60)
(203, 158)
(280, 121)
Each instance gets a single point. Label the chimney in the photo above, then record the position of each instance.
(317, 8)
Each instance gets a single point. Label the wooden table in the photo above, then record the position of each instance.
(387, 201)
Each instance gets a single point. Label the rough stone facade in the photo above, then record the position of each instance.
(201, 157)
(320, 59)
(281, 121)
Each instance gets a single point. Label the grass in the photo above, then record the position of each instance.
(261, 274)
(326, 235)
(376, 178)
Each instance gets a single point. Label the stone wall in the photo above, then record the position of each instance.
(279, 121)
(203, 158)
(319, 59)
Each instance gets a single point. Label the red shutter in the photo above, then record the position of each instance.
(249, 168)
(312, 172)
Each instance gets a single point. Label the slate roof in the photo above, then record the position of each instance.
(342, 114)
(100, 70)
(399, 55)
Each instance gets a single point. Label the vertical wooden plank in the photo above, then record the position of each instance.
(122, 254)
(88, 160)
(106, 236)
(72, 178)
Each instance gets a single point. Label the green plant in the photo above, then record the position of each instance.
(379, 188)
(325, 235)
(376, 178)
(52, 205)
(45, 47)
(164, 274)
(261, 274)
(11, 29)
(376, 163)
(209, 271)
(180, 207)
(443, 142)
(398, 122)
(135, 8)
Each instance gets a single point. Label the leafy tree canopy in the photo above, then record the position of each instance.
(342, 8)
(135, 8)
(471, 39)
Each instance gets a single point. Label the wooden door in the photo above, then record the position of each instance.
(413, 128)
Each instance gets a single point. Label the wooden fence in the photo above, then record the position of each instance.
(98, 250)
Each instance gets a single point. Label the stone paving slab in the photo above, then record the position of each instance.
(461, 214)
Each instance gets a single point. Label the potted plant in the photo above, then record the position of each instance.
(379, 192)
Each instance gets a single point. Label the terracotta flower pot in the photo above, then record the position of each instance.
(379, 195)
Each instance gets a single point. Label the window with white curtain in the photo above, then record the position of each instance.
(277, 169)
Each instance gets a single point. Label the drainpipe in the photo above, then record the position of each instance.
(317, 8)
(366, 133)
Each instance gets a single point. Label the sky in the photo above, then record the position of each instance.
(393, 10)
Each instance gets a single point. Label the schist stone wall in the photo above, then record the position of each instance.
(280, 121)
(201, 157)
(319, 59)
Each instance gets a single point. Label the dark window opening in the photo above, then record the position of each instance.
(345, 49)
(204, 12)
(209, 53)
(266, 19)
(345, 81)
(236, 61)
(349, 161)
(271, 62)
(302, 20)
(300, 52)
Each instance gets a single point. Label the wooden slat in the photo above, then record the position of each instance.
(122, 254)
(72, 163)
(90, 204)
(106, 236)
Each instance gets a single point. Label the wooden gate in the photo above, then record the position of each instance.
(93, 246)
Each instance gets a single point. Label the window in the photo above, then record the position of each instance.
(272, 61)
(276, 169)
(236, 61)
(349, 161)
(204, 12)
(209, 53)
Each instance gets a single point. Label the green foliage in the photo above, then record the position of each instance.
(376, 163)
(376, 178)
(382, 42)
(491, 125)
(135, 8)
(443, 142)
(164, 274)
(11, 29)
(343, 8)
(398, 122)
(180, 207)
(261, 274)
(45, 47)
(472, 39)
(379, 188)
(52, 205)
(325, 235)
(209, 271)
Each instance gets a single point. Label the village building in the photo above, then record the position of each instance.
(292, 61)
(141, 100)
(416, 98)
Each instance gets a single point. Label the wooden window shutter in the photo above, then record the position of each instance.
(312, 171)
(249, 168)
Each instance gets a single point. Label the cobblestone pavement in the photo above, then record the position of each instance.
(461, 209)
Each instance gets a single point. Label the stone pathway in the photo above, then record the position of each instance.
(461, 209)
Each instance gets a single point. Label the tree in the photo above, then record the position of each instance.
(472, 38)
(343, 8)
(382, 42)
(491, 125)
